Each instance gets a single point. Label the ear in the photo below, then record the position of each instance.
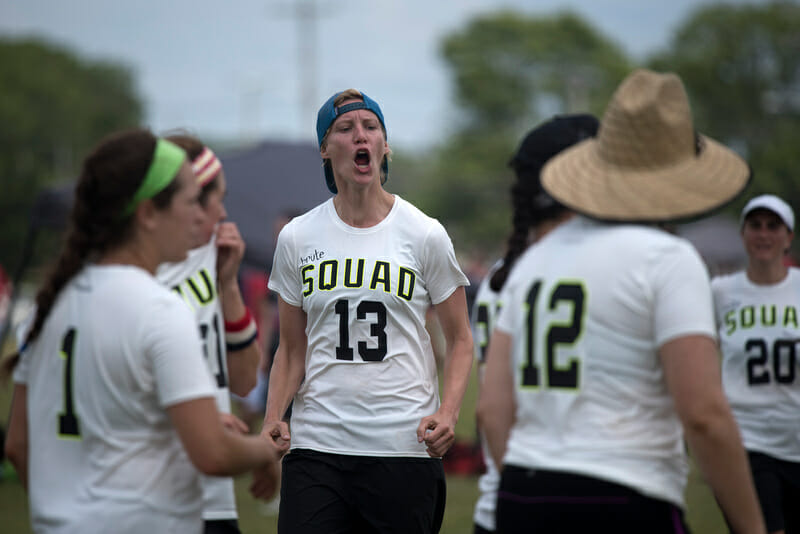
(323, 151)
(146, 215)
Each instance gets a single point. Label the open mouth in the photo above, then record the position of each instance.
(362, 159)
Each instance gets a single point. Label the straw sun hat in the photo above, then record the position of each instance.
(646, 164)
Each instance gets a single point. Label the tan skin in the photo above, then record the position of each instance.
(356, 146)
(160, 236)
(766, 239)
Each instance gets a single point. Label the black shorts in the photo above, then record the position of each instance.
(339, 494)
(550, 501)
(778, 486)
(221, 526)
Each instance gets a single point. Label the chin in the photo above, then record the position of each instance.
(179, 257)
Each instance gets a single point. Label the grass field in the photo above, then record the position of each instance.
(256, 517)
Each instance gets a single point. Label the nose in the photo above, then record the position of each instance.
(359, 133)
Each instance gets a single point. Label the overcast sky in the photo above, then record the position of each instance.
(232, 69)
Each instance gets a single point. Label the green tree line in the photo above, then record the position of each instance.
(740, 64)
(509, 71)
(53, 107)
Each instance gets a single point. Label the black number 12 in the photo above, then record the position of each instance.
(557, 333)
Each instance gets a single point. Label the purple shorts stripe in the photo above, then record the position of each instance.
(676, 521)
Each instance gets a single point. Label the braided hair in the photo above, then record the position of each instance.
(531, 205)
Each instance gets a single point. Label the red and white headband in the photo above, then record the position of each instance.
(206, 167)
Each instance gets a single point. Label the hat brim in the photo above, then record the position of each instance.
(588, 184)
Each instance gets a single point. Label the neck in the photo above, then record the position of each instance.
(133, 254)
(362, 209)
(545, 227)
(766, 273)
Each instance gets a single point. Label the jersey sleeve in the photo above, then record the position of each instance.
(172, 343)
(442, 272)
(506, 316)
(484, 310)
(681, 295)
(20, 375)
(21, 370)
(284, 278)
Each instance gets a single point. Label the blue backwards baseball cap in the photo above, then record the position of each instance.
(328, 113)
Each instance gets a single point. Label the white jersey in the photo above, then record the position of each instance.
(590, 390)
(759, 331)
(116, 350)
(370, 374)
(484, 313)
(195, 280)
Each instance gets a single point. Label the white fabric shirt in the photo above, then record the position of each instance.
(591, 397)
(116, 350)
(370, 373)
(758, 332)
(484, 313)
(195, 280)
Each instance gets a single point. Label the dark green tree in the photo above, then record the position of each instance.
(53, 107)
(510, 71)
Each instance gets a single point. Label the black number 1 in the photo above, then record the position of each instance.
(220, 374)
(68, 424)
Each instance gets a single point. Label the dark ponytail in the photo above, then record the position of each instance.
(531, 204)
(522, 201)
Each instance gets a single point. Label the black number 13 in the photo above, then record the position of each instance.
(377, 330)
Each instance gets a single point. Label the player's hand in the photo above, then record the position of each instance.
(266, 481)
(233, 423)
(230, 251)
(438, 433)
(277, 431)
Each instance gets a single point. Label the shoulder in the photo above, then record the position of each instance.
(485, 293)
(658, 247)
(408, 211)
(414, 221)
(724, 282)
(144, 289)
(310, 222)
(203, 257)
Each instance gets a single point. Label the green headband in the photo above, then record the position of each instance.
(167, 159)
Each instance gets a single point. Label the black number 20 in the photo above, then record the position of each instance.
(566, 377)
(784, 361)
(377, 329)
